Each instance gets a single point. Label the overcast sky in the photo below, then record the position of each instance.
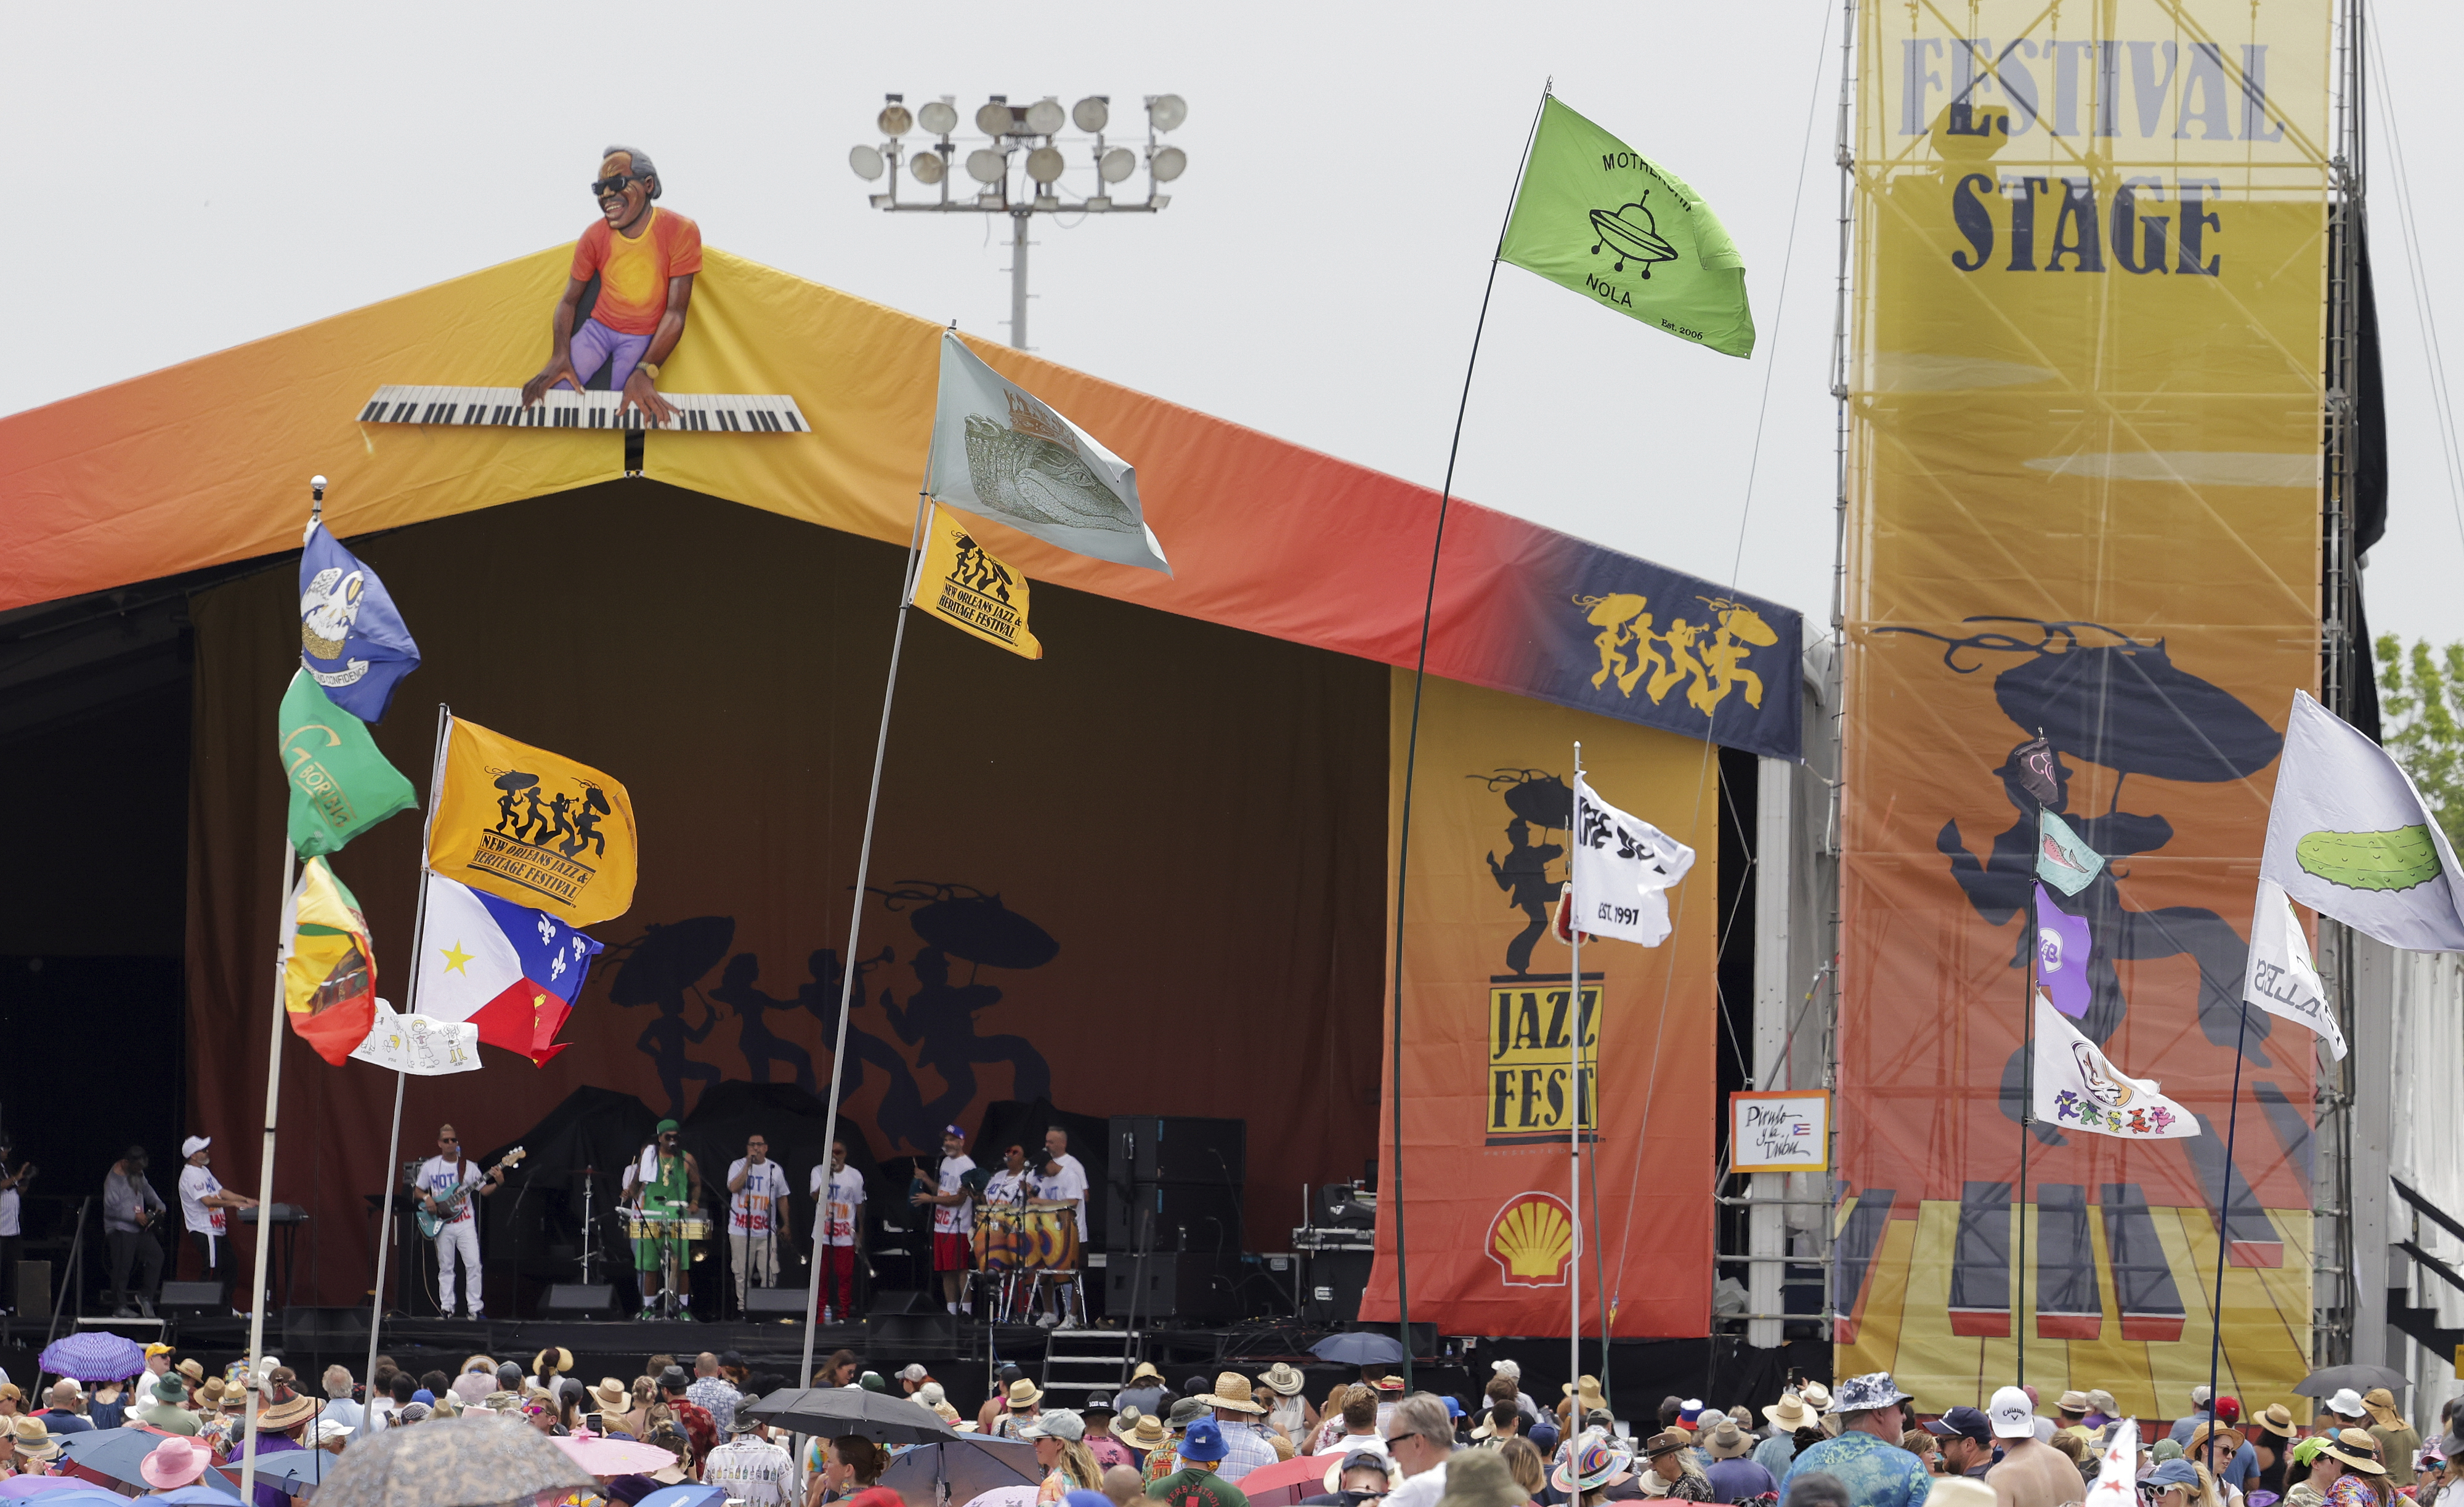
(187, 177)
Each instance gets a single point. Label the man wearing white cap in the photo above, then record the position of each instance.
(203, 1207)
(2033, 1473)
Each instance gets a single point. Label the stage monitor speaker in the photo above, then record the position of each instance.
(1172, 1216)
(888, 1301)
(580, 1299)
(191, 1297)
(1178, 1149)
(774, 1302)
(1331, 1285)
(34, 1289)
(1191, 1287)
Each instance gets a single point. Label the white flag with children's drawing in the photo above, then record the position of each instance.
(1622, 869)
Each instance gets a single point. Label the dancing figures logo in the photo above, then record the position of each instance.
(1707, 653)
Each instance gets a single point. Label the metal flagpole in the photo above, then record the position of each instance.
(265, 1187)
(410, 1007)
(2027, 1121)
(1574, 1130)
(1393, 1179)
(2223, 1228)
(855, 928)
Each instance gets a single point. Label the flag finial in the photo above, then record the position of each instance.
(315, 498)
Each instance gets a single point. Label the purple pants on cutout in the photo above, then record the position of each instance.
(595, 345)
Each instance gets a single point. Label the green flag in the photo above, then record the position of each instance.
(1597, 216)
(341, 785)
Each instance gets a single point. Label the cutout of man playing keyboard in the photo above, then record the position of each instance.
(644, 258)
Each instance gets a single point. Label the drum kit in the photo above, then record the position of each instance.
(675, 1229)
(1019, 1245)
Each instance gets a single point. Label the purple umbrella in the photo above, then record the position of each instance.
(94, 1356)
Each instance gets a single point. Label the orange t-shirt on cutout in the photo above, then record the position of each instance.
(633, 271)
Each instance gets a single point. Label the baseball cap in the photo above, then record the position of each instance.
(914, 1373)
(1204, 1442)
(2173, 1472)
(2228, 1409)
(1962, 1423)
(2013, 1418)
(194, 1145)
(954, 1131)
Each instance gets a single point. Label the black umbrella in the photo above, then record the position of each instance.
(1359, 1347)
(962, 1469)
(666, 960)
(834, 1413)
(2335, 1379)
(980, 929)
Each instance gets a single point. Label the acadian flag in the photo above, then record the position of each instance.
(351, 638)
(1599, 217)
(961, 582)
(329, 969)
(341, 785)
(1001, 452)
(531, 827)
(511, 972)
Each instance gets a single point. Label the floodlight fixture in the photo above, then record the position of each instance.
(1045, 164)
(995, 118)
(895, 120)
(940, 117)
(928, 167)
(1168, 163)
(1045, 117)
(1116, 165)
(987, 167)
(1166, 111)
(866, 161)
(1093, 113)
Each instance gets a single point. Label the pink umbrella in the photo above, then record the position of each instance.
(603, 1456)
(1286, 1481)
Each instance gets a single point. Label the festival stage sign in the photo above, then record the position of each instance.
(1786, 1130)
(1505, 1060)
(2085, 394)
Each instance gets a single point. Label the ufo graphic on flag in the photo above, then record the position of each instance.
(1634, 234)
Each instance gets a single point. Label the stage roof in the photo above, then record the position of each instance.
(206, 462)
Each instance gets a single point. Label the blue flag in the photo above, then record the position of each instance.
(2062, 947)
(2063, 859)
(351, 638)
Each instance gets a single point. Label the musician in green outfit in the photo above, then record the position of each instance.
(664, 1182)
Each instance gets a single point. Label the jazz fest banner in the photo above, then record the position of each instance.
(1489, 1011)
(2086, 405)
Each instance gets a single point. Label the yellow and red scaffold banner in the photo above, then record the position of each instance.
(2089, 338)
(1488, 1017)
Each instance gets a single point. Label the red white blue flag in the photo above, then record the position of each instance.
(511, 971)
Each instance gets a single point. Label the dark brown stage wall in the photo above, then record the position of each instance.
(1196, 815)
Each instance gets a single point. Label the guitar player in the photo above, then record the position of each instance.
(441, 1180)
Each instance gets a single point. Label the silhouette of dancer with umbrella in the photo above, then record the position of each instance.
(1537, 799)
(961, 921)
(902, 1115)
(656, 969)
(759, 1045)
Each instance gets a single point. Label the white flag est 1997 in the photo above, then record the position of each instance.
(1620, 871)
(2280, 979)
(2078, 1088)
(2348, 837)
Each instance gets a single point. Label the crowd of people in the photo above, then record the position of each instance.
(1192, 1445)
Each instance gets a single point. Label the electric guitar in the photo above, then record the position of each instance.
(451, 1208)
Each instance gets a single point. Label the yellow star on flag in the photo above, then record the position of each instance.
(454, 958)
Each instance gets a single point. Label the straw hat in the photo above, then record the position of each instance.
(1140, 1431)
(2380, 1404)
(479, 1362)
(1816, 1396)
(2277, 1420)
(1791, 1413)
(2072, 1401)
(1146, 1372)
(1591, 1393)
(34, 1441)
(284, 1416)
(192, 1369)
(1668, 1443)
(611, 1395)
(209, 1392)
(555, 1360)
(1023, 1393)
(179, 1460)
(1283, 1379)
(1480, 1479)
(2355, 1452)
(1728, 1441)
(1232, 1391)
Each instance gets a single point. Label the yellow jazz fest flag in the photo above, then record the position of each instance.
(959, 583)
(533, 827)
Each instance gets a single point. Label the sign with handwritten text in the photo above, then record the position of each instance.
(1779, 1132)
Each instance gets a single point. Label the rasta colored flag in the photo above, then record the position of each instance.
(1599, 217)
(341, 785)
(533, 827)
(329, 969)
(961, 582)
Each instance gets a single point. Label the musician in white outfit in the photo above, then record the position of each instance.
(440, 1179)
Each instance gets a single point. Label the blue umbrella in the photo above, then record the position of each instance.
(1359, 1347)
(116, 1453)
(292, 1469)
(969, 1466)
(689, 1495)
(210, 1491)
(92, 1354)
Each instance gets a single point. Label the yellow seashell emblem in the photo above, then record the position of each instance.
(1532, 1239)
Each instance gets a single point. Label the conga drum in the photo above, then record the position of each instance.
(1049, 1241)
(997, 1230)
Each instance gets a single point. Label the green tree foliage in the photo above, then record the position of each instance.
(2421, 710)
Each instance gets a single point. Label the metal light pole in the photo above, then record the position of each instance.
(1023, 150)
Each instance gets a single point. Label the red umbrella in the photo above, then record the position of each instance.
(1286, 1481)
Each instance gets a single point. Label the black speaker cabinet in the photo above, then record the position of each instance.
(579, 1301)
(774, 1302)
(1330, 1285)
(1178, 1149)
(191, 1297)
(1173, 1216)
(34, 1289)
(1192, 1287)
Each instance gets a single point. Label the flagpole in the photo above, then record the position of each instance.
(2027, 1110)
(410, 1007)
(1393, 1173)
(855, 928)
(1574, 1131)
(265, 1187)
(2224, 1233)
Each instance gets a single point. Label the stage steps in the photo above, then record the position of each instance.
(1080, 1363)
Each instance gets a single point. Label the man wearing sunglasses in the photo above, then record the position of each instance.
(644, 259)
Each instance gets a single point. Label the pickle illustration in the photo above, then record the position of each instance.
(2396, 860)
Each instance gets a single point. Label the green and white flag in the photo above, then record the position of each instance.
(2348, 836)
(341, 785)
(1597, 216)
(1001, 453)
(2063, 860)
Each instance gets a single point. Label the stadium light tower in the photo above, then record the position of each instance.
(1018, 171)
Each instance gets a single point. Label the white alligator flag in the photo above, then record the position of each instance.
(2078, 1088)
(1002, 454)
(2280, 979)
(2349, 838)
(1622, 869)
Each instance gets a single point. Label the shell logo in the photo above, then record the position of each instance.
(1532, 1239)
